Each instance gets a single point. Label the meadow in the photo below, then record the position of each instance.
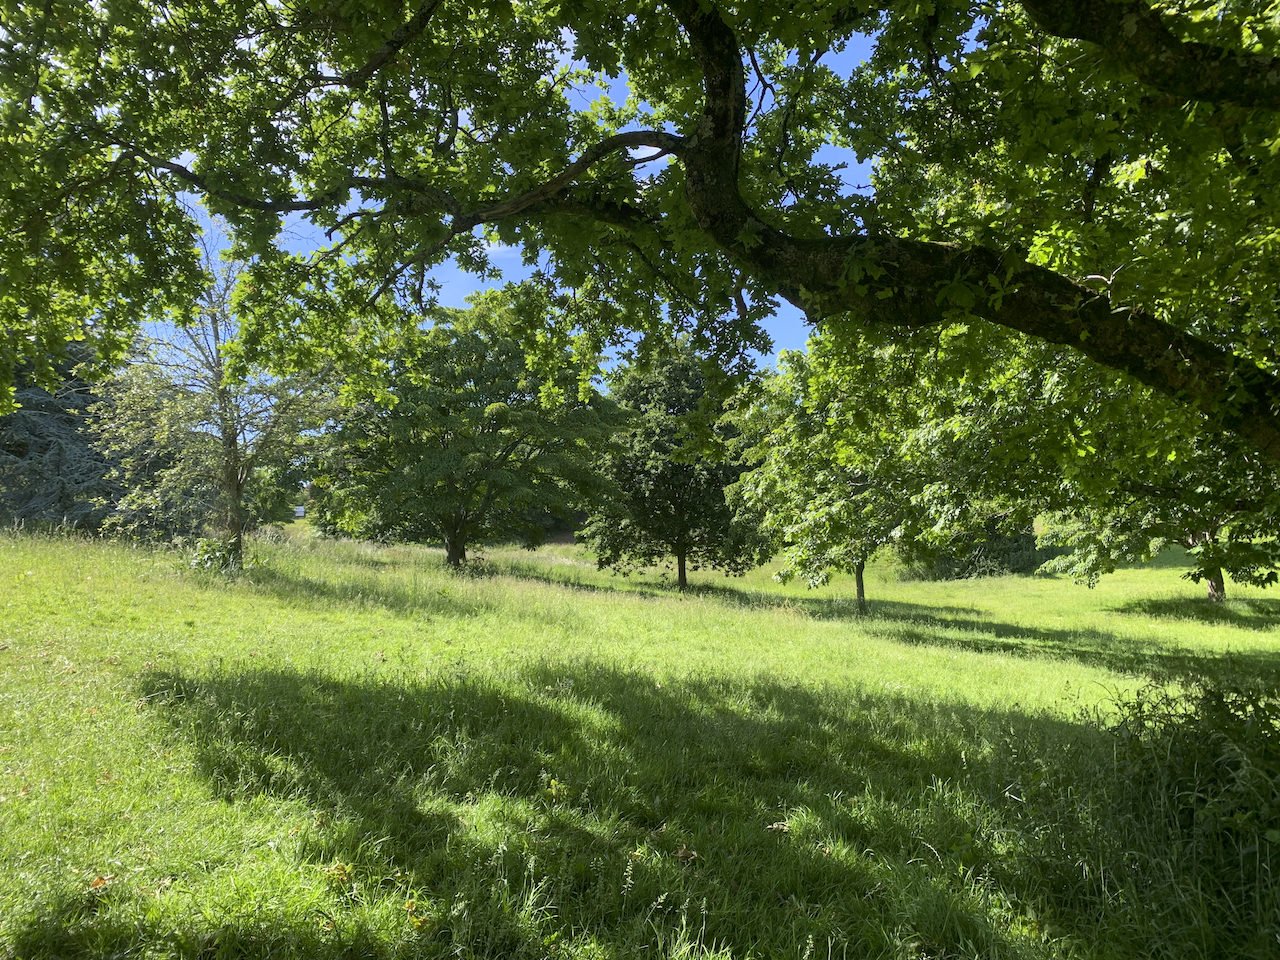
(349, 751)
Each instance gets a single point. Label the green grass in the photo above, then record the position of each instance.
(352, 752)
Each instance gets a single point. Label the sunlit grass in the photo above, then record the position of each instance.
(352, 752)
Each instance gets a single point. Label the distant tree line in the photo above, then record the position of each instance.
(468, 428)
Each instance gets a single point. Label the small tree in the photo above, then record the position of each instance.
(197, 450)
(830, 491)
(669, 500)
(460, 440)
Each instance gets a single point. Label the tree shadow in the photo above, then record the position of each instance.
(817, 608)
(412, 601)
(1099, 649)
(772, 815)
(965, 628)
(585, 805)
(829, 608)
(85, 926)
(1247, 613)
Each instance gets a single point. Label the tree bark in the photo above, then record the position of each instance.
(1217, 584)
(1142, 40)
(235, 515)
(682, 577)
(858, 569)
(896, 281)
(455, 551)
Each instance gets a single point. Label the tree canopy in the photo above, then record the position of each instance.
(932, 442)
(1100, 174)
(458, 440)
(831, 483)
(50, 473)
(668, 473)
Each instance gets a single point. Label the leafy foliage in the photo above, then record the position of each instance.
(1096, 174)
(669, 478)
(1120, 472)
(50, 473)
(198, 449)
(990, 551)
(831, 487)
(979, 436)
(460, 439)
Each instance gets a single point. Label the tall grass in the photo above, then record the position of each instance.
(351, 752)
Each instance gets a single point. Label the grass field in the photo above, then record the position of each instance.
(351, 752)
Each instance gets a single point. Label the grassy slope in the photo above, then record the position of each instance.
(351, 752)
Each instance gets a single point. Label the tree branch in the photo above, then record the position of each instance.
(1143, 41)
(514, 206)
(412, 28)
(894, 281)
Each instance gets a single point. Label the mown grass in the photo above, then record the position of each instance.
(351, 752)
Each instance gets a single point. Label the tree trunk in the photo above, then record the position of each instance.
(455, 551)
(1217, 584)
(858, 569)
(235, 516)
(682, 577)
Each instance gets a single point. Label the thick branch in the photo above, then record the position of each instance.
(411, 28)
(1144, 42)
(900, 282)
(514, 206)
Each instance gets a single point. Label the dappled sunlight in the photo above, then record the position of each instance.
(614, 794)
(351, 750)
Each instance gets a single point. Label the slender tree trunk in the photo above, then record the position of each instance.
(235, 516)
(682, 576)
(1217, 584)
(858, 569)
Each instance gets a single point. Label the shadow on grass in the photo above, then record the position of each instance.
(1091, 647)
(757, 816)
(818, 608)
(585, 810)
(85, 926)
(966, 629)
(423, 600)
(1249, 613)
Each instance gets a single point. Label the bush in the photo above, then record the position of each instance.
(215, 556)
(1174, 813)
(1205, 764)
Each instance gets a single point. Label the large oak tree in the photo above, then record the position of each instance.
(1098, 173)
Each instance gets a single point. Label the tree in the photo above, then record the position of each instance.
(1009, 431)
(200, 448)
(459, 440)
(843, 459)
(830, 485)
(50, 472)
(1096, 174)
(670, 478)
(1123, 474)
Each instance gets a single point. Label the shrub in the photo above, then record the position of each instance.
(215, 556)
(1173, 811)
